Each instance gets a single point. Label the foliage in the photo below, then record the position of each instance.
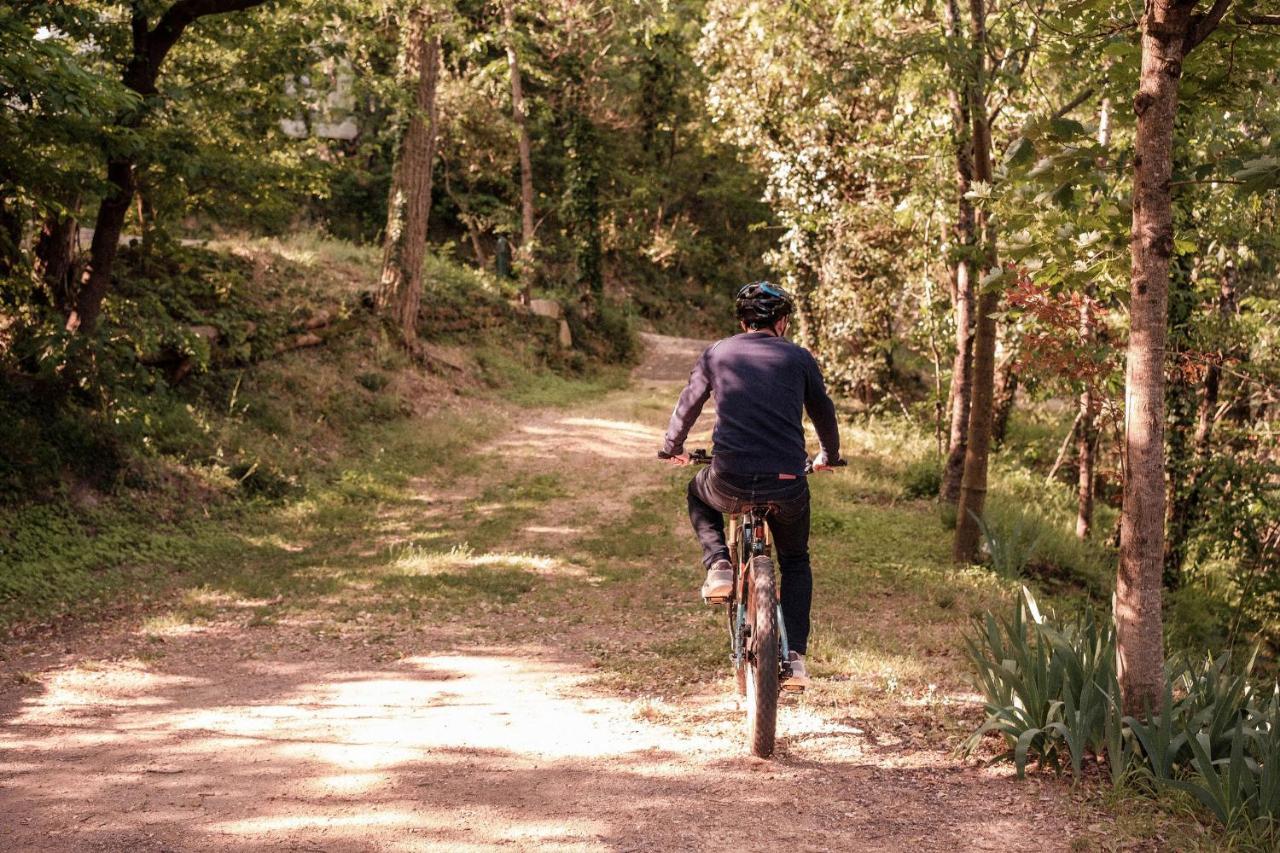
(1051, 693)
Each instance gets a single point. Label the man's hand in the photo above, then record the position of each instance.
(679, 459)
(820, 462)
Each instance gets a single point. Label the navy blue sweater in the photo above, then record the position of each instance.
(763, 386)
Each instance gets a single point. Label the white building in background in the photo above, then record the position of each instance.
(329, 105)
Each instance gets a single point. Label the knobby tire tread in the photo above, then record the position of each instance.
(762, 693)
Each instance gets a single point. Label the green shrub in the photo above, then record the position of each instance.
(1051, 692)
(922, 479)
(1010, 542)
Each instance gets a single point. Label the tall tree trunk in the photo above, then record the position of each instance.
(526, 163)
(409, 202)
(1086, 447)
(960, 268)
(973, 486)
(1139, 627)
(1087, 438)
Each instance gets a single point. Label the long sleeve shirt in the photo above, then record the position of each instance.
(763, 385)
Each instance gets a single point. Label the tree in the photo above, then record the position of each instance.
(409, 200)
(960, 269)
(973, 486)
(526, 163)
(1170, 32)
(150, 47)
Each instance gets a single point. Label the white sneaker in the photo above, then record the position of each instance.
(718, 586)
(798, 680)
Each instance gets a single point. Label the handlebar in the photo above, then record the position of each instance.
(702, 457)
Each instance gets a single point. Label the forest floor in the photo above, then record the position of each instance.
(506, 649)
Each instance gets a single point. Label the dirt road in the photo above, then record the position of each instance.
(379, 732)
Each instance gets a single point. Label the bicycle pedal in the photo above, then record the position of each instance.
(716, 599)
(792, 688)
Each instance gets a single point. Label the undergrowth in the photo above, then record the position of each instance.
(125, 479)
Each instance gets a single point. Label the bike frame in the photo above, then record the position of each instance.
(749, 537)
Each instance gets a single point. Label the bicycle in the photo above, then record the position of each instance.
(758, 645)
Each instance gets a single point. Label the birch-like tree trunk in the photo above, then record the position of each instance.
(961, 269)
(1139, 627)
(1086, 442)
(409, 202)
(1087, 436)
(973, 486)
(525, 268)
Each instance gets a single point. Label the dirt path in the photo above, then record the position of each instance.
(490, 730)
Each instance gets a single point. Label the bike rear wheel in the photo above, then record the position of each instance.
(762, 661)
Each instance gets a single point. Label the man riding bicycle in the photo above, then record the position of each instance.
(763, 385)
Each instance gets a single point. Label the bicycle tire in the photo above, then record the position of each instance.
(762, 670)
(739, 671)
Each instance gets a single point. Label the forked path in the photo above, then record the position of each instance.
(384, 734)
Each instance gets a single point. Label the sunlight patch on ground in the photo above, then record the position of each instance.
(169, 624)
(274, 540)
(419, 561)
(553, 530)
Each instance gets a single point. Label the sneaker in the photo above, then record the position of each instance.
(798, 679)
(718, 586)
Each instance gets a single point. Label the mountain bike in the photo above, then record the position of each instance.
(758, 645)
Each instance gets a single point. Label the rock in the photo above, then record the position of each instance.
(546, 308)
(566, 337)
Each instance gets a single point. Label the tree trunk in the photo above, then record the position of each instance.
(1184, 509)
(107, 228)
(960, 269)
(973, 486)
(409, 202)
(526, 163)
(54, 253)
(1087, 439)
(1086, 447)
(1139, 628)
(10, 237)
(1005, 396)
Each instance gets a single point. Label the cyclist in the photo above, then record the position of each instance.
(763, 385)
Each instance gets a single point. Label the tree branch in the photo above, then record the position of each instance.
(1263, 20)
(1203, 25)
(1074, 102)
(181, 15)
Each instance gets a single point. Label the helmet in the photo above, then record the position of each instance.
(763, 304)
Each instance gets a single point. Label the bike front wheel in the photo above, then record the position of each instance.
(762, 659)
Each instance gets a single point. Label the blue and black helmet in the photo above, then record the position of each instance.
(762, 303)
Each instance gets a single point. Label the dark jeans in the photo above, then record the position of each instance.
(712, 493)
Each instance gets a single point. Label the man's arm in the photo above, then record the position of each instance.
(822, 412)
(689, 406)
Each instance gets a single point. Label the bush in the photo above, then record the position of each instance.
(922, 479)
(1051, 692)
